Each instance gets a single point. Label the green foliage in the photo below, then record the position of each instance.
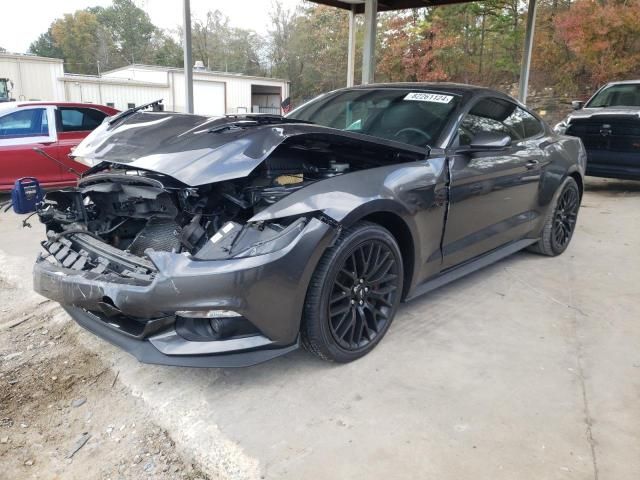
(101, 38)
(224, 48)
(309, 47)
(79, 37)
(45, 46)
(578, 44)
(130, 31)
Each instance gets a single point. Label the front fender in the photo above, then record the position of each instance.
(403, 189)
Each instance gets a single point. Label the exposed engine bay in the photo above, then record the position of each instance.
(117, 213)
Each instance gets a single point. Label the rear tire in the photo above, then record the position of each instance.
(560, 222)
(353, 294)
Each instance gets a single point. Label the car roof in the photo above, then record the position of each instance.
(458, 89)
(621, 82)
(455, 88)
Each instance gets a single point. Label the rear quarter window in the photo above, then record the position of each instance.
(80, 119)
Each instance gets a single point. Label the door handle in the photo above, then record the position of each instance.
(531, 164)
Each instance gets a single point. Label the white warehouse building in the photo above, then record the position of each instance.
(33, 78)
(215, 93)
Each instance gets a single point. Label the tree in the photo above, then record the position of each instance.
(130, 29)
(603, 39)
(45, 46)
(78, 38)
(409, 48)
(308, 46)
(224, 48)
(166, 51)
(98, 39)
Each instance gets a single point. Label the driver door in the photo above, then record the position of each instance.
(492, 193)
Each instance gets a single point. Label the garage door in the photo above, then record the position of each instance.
(208, 98)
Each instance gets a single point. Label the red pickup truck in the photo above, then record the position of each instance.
(55, 128)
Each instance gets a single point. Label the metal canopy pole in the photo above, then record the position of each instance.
(351, 58)
(188, 63)
(526, 55)
(369, 50)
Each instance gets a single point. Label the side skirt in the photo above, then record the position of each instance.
(469, 267)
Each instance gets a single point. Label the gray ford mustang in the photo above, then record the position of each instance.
(228, 241)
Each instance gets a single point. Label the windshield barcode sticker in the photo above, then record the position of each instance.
(428, 97)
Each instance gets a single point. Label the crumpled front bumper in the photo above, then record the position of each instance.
(268, 290)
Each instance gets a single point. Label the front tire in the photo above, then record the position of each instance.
(561, 221)
(353, 295)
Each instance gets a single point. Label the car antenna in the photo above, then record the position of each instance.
(157, 106)
(67, 167)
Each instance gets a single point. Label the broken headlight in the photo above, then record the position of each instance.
(270, 239)
(235, 241)
(561, 128)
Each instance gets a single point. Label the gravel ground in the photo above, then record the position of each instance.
(63, 411)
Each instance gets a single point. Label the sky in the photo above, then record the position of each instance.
(22, 21)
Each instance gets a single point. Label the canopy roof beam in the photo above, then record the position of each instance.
(369, 50)
(188, 63)
(525, 65)
(351, 57)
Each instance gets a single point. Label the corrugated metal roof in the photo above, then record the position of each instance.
(29, 57)
(142, 66)
(385, 5)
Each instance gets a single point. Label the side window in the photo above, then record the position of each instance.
(485, 116)
(497, 115)
(522, 122)
(25, 123)
(80, 119)
(532, 126)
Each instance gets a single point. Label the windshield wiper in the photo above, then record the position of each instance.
(126, 113)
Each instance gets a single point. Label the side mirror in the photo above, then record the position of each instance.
(489, 141)
(577, 104)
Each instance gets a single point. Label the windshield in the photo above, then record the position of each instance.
(403, 115)
(626, 95)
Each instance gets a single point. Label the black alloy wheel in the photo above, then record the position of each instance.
(363, 295)
(565, 217)
(354, 294)
(560, 222)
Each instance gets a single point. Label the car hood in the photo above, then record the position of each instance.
(198, 150)
(608, 111)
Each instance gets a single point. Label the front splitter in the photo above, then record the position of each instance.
(145, 352)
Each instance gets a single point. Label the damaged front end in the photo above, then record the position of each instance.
(169, 246)
(183, 267)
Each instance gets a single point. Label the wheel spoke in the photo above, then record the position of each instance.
(337, 297)
(383, 271)
(349, 274)
(380, 263)
(340, 310)
(342, 332)
(345, 315)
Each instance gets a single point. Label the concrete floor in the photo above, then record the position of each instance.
(528, 369)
